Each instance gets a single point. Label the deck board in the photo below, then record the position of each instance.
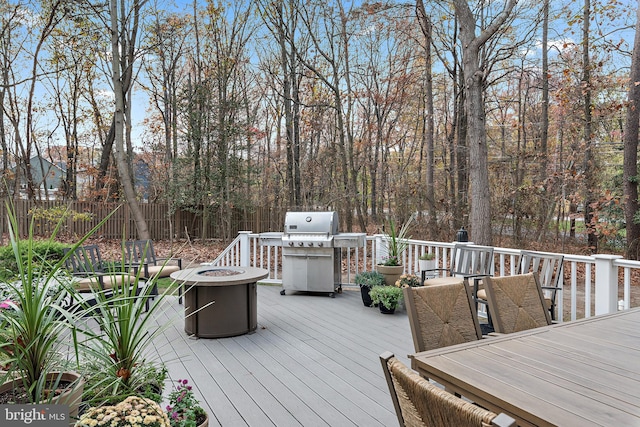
(313, 361)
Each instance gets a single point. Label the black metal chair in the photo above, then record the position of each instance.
(91, 274)
(141, 254)
(467, 261)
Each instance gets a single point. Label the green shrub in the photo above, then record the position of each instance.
(43, 250)
(369, 278)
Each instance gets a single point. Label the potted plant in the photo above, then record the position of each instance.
(408, 280)
(184, 409)
(35, 322)
(119, 346)
(427, 261)
(132, 411)
(387, 297)
(104, 387)
(397, 242)
(366, 280)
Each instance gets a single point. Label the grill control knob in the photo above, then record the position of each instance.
(320, 244)
(290, 243)
(310, 243)
(300, 243)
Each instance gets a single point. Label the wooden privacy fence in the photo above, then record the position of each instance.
(161, 223)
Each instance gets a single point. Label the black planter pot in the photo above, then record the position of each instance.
(385, 310)
(366, 298)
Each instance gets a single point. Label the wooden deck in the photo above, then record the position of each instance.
(312, 362)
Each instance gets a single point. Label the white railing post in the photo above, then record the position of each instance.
(245, 248)
(606, 284)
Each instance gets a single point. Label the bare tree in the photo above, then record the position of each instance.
(19, 110)
(282, 20)
(330, 38)
(589, 162)
(480, 215)
(164, 66)
(630, 172)
(121, 67)
(426, 27)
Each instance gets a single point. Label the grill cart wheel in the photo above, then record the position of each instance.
(282, 292)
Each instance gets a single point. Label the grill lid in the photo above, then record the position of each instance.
(311, 223)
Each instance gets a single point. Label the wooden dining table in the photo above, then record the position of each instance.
(580, 373)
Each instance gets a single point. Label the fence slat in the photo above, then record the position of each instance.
(161, 224)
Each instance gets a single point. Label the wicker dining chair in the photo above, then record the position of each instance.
(441, 315)
(550, 271)
(516, 302)
(549, 268)
(419, 403)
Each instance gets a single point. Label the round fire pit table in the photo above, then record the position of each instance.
(233, 294)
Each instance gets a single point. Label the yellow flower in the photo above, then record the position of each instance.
(407, 280)
(134, 411)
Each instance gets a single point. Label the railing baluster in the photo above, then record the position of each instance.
(577, 290)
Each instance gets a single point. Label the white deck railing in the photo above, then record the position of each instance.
(591, 285)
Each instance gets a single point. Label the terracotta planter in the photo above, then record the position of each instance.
(71, 397)
(391, 273)
(205, 423)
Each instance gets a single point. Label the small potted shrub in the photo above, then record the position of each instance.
(134, 410)
(397, 242)
(104, 387)
(387, 298)
(427, 261)
(184, 409)
(366, 280)
(408, 280)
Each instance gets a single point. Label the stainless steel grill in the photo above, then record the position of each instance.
(312, 251)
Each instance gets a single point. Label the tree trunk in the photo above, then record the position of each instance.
(480, 215)
(425, 25)
(545, 203)
(589, 163)
(630, 172)
(119, 115)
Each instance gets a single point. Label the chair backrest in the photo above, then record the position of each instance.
(441, 315)
(549, 268)
(140, 251)
(419, 403)
(471, 260)
(516, 302)
(84, 259)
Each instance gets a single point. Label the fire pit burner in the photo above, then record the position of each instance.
(220, 272)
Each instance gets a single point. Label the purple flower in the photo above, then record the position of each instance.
(6, 304)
